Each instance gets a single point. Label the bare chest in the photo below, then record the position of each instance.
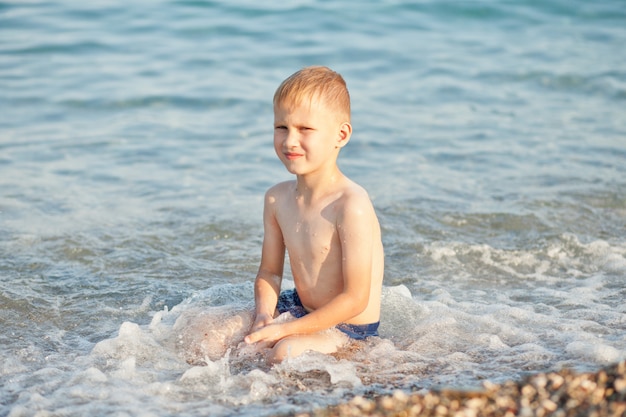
(310, 234)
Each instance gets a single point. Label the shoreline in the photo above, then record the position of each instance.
(564, 394)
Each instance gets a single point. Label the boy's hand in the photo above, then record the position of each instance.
(261, 321)
(269, 334)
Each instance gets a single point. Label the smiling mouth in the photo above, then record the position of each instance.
(291, 156)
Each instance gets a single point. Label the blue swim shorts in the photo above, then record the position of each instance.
(289, 301)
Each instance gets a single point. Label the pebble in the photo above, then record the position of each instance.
(558, 394)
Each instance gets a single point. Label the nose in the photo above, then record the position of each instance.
(291, 139)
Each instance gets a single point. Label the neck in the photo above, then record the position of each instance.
(314, 185)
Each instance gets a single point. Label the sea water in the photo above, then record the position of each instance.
(136, 145)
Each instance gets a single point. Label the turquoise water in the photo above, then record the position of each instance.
(135, 148)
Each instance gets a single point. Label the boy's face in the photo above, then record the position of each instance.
(308, 137)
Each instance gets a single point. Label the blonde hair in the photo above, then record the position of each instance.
(315, 82)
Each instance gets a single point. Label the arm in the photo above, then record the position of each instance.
(269, 276)
(355, 228)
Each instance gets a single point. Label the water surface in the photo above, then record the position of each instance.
(135, 148)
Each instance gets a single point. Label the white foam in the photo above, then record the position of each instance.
(446, 338)
(547, 263)
(131, 342)
(492, 342)
(596, 351)
(92, 375)
(210, 374)
(338, 371)
(10, 364)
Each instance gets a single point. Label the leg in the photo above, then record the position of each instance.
(324, 342)
(211, 332)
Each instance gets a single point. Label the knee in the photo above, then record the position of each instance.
(282, 350)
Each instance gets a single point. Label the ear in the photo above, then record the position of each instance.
(345, 131)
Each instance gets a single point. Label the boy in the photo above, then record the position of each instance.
(326, 223)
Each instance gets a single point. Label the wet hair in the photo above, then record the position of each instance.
(315, 82)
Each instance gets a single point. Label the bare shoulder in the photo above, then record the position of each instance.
(354, 193)
(356, 200)
(279, 190)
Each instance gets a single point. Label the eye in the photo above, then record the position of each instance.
(280, 127)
